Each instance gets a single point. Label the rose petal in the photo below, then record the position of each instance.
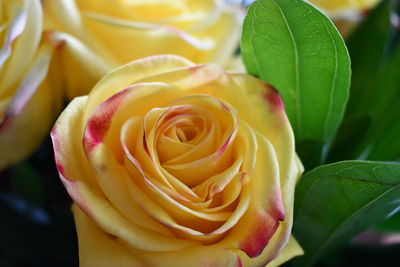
(225, 28)
(218, 182)
(106, 120)
(79, 59)
(222, 119)
(195, 172)
(35, 76)
(67, 143)
(112, 177)
(207, 165)
(130, 74)
(25, 46)
(100, 121)
(97, 248)
(23, 111)
(241, 208)
(229, 195)
(291, 250)
(272, 123)
(176, 208)
(259, 224)
(157, 31)
(188, 77)
(15, 29)
(130, 129)
(182, 117)
(94, 205)
(248, 142)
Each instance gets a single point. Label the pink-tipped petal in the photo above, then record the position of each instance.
(264, 228)
(100, 121)
(273, 98)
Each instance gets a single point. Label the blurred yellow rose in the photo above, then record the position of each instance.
(175, 164)
(27, 99)
(338, 8)
(101, 35)
(345, 13)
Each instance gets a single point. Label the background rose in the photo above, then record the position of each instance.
(27, 98)
(103, 35)
(341, 7)
(345, 13)
(175, 164)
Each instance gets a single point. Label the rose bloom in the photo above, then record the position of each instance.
(28, 98)
(175, 164)
(102, 35)
(345, 13)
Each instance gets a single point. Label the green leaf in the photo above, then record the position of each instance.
(380, 141)
(375, 91)
(391, 224)
(349, 135)
(297, 49)
(335, 201)
(310, 152)
(374, 37)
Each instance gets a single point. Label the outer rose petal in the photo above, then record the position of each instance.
(292, 250)
(96, 248)
(111, 221)
(283, 251)
(130, 74)
(91, 66)
(67, 135)
(271, 121)
(24, 47)
(14, 30)
(32, 107)
(213, 255)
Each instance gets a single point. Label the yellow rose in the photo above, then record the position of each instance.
(175, 164)
(102, 35)
(341, 7)
(345, 13)
(27, 100)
